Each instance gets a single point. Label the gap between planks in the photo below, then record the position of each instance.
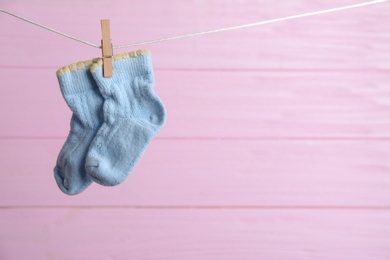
(238, 70)
(213, 207)
(197, 138)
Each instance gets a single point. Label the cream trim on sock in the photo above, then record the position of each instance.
(95, 63)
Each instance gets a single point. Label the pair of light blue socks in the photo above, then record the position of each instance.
(114, 119)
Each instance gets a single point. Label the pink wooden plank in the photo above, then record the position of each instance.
(214, 172)
(221, 104)
(354, 39)
(276, 145)
(194, 234)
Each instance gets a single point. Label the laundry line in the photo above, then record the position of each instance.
(172, 38)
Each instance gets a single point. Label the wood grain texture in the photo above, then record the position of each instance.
(214, 173)
(276, 145)
(194, 234)
(222, 104)
(354, 39)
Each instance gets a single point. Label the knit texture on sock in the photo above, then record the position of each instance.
(133, 114)
(84, 99)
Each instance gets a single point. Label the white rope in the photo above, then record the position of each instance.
(252, 24)
(205, 32)
(50, 29)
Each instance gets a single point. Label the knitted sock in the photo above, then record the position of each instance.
(84, 99)
(133, 114)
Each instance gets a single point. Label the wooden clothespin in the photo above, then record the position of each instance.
(106, 49)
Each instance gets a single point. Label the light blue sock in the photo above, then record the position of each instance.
(84, 99)
(133, 114)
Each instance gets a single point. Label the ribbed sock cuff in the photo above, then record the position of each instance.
(130, 63)
(76, 78)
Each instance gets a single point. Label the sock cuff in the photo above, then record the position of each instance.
(117, 57)
(76, 78)
(76, 66)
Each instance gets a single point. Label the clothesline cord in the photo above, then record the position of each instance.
(252, 24)
(199, 33)
(50, 29)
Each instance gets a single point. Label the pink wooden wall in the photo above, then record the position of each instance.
(277, 144)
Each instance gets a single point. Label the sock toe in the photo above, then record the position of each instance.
(65, 187)
(100, 171)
